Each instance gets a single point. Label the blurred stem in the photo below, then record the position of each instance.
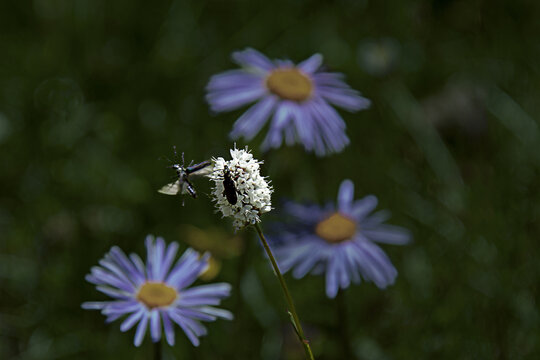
(343, 324)
(157, 350)
(294, 316)
(239, 314)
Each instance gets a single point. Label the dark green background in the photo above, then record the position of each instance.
(93, 93)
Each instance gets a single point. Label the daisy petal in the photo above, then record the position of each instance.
(155, 325)
(152, 300)
(141, 330)
(322, 240)
(251, 122)
(311, 64)
(252, 58)
(345, 196)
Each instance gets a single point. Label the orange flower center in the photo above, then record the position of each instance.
(336, 228)
(156, 294)
(290, 84)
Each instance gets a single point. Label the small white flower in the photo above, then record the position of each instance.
(252, 191)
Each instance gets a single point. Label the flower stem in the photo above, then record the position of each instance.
(292, 310)
(157, 350)
(343, 324)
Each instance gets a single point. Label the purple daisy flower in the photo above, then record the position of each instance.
(157, 293)
(339, 241)
(297, 97)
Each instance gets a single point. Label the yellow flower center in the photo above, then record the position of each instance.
(290, 84)
(336, 228)
(156, 294)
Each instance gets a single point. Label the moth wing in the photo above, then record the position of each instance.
(205, 171)
(171, 189)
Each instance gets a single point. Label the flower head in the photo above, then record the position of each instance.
(240, 191)
(339, 241)
(157, 293)
(297, 97)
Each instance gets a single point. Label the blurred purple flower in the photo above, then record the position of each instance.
(297, 97)
(156, 293)
(339, 241)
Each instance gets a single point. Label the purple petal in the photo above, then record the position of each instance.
(308, 262)
(169, 258)
(169, 328)
(159, 254)
(345, 196)
(131, 320)
(217, 289)
(219, 313)
(365, 265)
(155, 325)
(150, 258)
(303, 124)
(347, 99)
(233, 79)
(197, 328)
(188, 259)
(281, 117)
(290, 135)
(251, 58)
(376, 219)
(122, 307)
(139, 264)
(379, 262)
(94, 305)
(334, 80)
(193, 313)
(311, 64)
(191, 274)
(307, 214)
(329, 126)
(288, 256)
(125, 275)
(332, 285)
(112, 317)
(185, 301)
(350, 263)
(364, 206)
(251, 122)
(388, 234)
(118, 294)
(141, 330)
(232, 99)
(344, 279)
(128, 266)
(187, 330)
(101, 277)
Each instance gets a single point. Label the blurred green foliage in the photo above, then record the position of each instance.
(93, 93)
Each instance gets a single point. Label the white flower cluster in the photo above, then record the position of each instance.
(252, 190)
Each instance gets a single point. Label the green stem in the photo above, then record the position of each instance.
(157, 350)
(292, 310)
(343, 324)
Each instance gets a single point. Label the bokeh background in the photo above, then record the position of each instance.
(94, 94)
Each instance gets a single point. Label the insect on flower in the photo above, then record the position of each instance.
(182, 185)
(239, 189)
(229, 188)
